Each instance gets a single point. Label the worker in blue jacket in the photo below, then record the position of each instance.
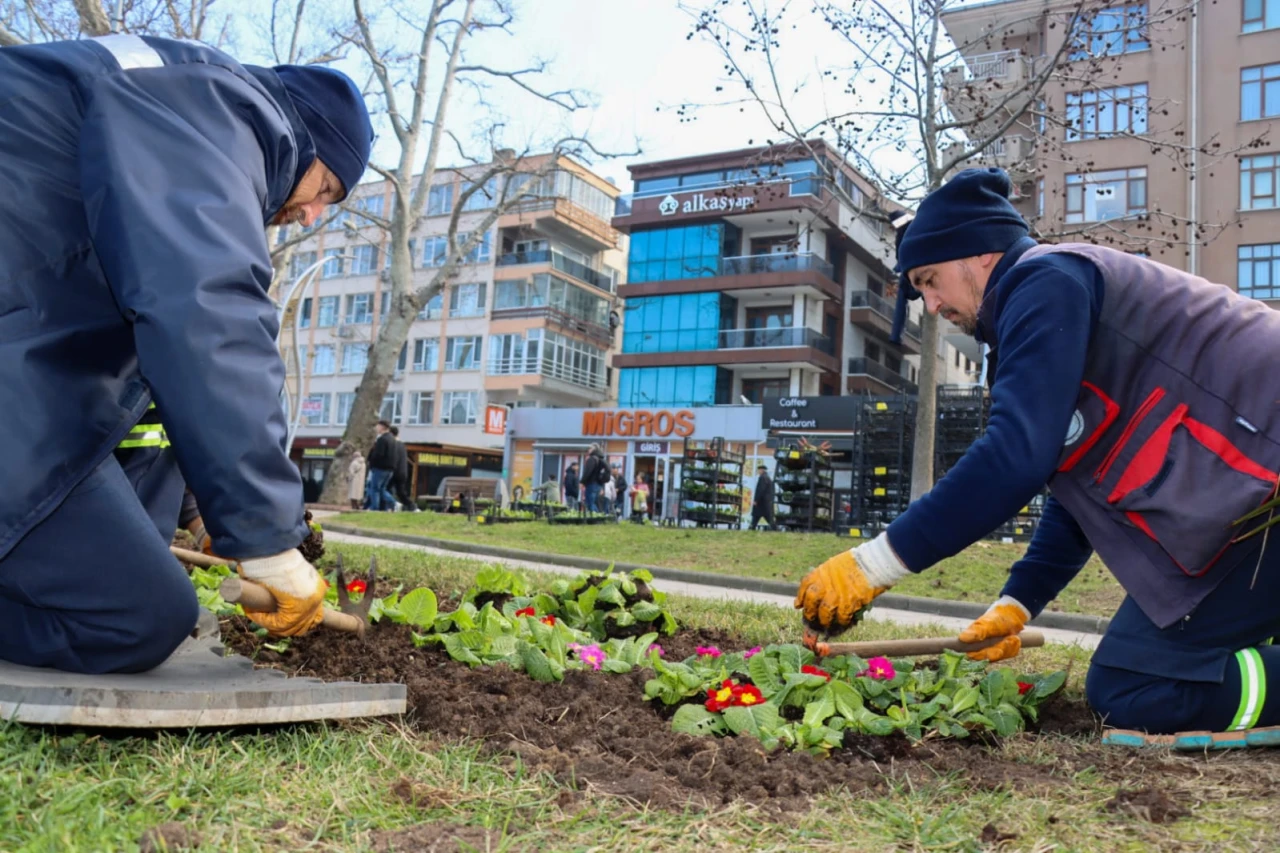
(139, 175)
(1147, 400)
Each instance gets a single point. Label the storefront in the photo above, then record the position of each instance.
(429, 464)
(543, 443)
(819, 420)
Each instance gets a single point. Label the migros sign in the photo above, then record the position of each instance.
(621, 422)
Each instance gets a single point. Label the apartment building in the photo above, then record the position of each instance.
(749, 277)
(1144, 86)
(523, 321)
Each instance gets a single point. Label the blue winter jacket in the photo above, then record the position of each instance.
(136, 179)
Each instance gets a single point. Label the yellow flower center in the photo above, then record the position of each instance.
(724, 694)
(748, 699)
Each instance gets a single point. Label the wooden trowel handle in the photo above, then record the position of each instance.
(252, 596)
(923, 646)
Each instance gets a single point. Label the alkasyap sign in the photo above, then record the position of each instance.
(703, 203)
(809, 413)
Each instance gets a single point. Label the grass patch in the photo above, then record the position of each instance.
(977, 574)
(365, 786)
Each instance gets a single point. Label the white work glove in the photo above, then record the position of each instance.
(298, 590)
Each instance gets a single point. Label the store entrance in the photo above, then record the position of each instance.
(654, 469)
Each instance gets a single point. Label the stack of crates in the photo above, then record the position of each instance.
(962, 416)
(883, 442)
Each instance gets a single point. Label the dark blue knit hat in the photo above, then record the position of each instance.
(968, 215)
(333, 110)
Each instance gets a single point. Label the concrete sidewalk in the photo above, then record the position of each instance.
(945, 624)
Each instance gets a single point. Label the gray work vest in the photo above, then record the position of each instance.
(1176, 432)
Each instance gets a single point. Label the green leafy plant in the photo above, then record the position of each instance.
(496, 585)
(208, 582)
(811, 708)
(613, 604)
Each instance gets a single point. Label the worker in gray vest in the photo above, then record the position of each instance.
(1148, 400)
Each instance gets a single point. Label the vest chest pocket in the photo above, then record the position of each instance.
(1185, 486)
(1094, 414)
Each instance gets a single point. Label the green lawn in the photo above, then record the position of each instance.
(342, 786)
(977, 574)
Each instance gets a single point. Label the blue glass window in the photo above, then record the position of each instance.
(676, 323)
(647, 387)
(666, 254)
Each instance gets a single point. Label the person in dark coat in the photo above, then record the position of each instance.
(762, 500)
(1146, 399)
(620, 490)
(141, 174)
(400, 480)
(382, 469)
(571, 486)
(595, 472)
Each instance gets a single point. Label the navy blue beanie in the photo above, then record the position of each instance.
(968, 215)
(333, 110)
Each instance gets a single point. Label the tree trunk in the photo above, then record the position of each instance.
(926, 405)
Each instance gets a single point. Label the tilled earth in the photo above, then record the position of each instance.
(596, 731)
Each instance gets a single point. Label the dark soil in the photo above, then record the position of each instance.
(313, 546)
(433, 838)
(596, 731)
(1149, 804)
(992, 836)
(168, 838)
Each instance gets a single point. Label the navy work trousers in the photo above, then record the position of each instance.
(1208, 672)
(93, 587)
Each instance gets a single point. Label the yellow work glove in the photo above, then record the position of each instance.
(297, 587)
(1006, 618)
(832, 593)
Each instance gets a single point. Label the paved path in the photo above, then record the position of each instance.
(901, 617)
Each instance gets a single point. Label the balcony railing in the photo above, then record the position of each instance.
(535, 366)
(798, 336)
(565, 264)
(779, 262)
(877, 371)
(883, 307)
(999, 65)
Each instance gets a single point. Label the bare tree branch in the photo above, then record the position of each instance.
(567, 99)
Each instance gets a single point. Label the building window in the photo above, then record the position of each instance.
(483, 198)
(315, 409)
(332, 264)
(346, 399)
(336, 223)
(459, 407)
(434, 309)
(467, 300)
(1258, 176)
(301, 354)
(440, 200)
(462, 353)
(371, 204)
(1258, 271)
(300, 262)
(324, 360)
(677, 323)
(426, 354)
(1110, 32)
(477, 254)
(1261, 15)
(1100, 113)
(304, 314)
(664, 254)
(435, 250)
(390, 410)
(1259, 92)
(1101, 196)
(515, 353)
(359, 308)
(572, 361)
(327, 312)
(355, 358)
(705, 385)
(756, 390)
(421, 408)
(365, 260)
